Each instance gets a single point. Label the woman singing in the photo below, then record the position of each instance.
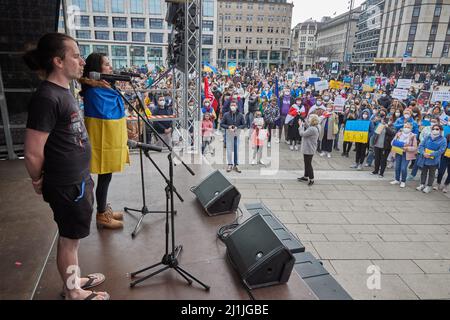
(107, 128)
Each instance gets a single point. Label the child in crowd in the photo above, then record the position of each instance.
(207, 132)
(259, 135)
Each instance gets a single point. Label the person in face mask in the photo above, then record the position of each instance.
(232, 121)
(405, 143)
(360, 146)
(329, 127)
(285, 104)
(164, 128)
(350, 114)
(431, 150)
(407, 118)
(444, 166)
(384, 133)
(207, 108)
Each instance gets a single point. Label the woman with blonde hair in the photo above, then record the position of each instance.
(309, 132)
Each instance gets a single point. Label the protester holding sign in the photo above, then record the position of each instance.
(384, 133)
(362, 143)
(405, 147)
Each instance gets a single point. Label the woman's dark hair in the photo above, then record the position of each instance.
(93, 64)
(49, 46)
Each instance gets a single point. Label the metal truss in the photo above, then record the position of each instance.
(190, 80)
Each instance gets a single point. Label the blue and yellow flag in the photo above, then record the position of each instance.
(209, 68)
(107, 128)
(231, 68)
(357, 131)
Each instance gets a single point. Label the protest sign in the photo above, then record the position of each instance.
(404, 83)
(401, 94)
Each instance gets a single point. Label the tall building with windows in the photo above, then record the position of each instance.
(415, 34)
(303, 44)
(254, 33)
(336, 36)
(131, 32)
(368, 34)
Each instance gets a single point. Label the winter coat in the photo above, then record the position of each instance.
(332, 127)
(437, 145)
(411, 145)
(309, 135)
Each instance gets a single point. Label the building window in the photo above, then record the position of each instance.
(409, 48)
(448, 30)
(156, 37)
(120, 36)
(83, 34)
(250, 6)
(154, 6)
(102, 35)
(155, 52)
(269, 40)
(283, 29)
(206, 55)
(207, 39)
(101, 22)
(258, 40)
(248, 40)
(231, 54)
(250, 29)
(445, 49)
(119, 63)
(81, 21)
(156, 23)
(250, 18)
(239, 17)
(137, 51)
(416, 11)
(117, 6)
(238, 29)
(433, 29)
(208, 25)
(259, 29)
(227, 39)
(270, 29)
(80, 4)
(119, 51)
(138, 36)
(437, 11)
(413, 29)
(261, 6)
(429, 52)
(138, 23)
(137, 6)
(238, 5)
(85, 50)
(228, 28)
(282, 42)
(119, 22)
(260, 18)
(208, 8)
(101, 49)
(98, 5)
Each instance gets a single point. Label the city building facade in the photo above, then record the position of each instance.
(336, 36)
(415, 36)
(254, 33)
(131, 32)
(303, 44)
(368, 34)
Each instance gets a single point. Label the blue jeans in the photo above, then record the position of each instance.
(415, 169)
(401, 167)
(232, 147)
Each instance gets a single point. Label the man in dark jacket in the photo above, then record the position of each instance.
(232, 121)
(164, 128)
(385, 100)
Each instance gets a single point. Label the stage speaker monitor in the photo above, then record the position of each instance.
(217, 195)
(258, 255)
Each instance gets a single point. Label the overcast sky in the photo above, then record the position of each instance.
(316, 9)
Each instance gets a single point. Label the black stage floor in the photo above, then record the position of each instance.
(28, 231)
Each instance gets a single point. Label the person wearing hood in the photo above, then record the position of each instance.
(362, 147)
(407, 117)
(431, 150)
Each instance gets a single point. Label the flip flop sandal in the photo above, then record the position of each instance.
(91, 282)
(95, 294)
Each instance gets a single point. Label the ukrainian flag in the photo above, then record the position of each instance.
(231, 68)
(107, 128)
(209, 68)
(357, 131)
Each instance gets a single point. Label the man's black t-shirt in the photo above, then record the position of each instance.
(67, 153)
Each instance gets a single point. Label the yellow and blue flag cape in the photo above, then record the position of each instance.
(357, 131)
(209, 68)
(107, 128)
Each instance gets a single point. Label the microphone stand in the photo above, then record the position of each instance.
(170, 259)
(144, 211)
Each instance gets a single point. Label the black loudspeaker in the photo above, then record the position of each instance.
(217, 195)
(258, 255)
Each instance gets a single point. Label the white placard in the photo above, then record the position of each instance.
(307, 74)
(440, 96)
(339, 101)
(401, 94)
(321, 85)
(404, 83)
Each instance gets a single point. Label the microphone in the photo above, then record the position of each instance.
(143, 146)
(130, 74)
(108, 77)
